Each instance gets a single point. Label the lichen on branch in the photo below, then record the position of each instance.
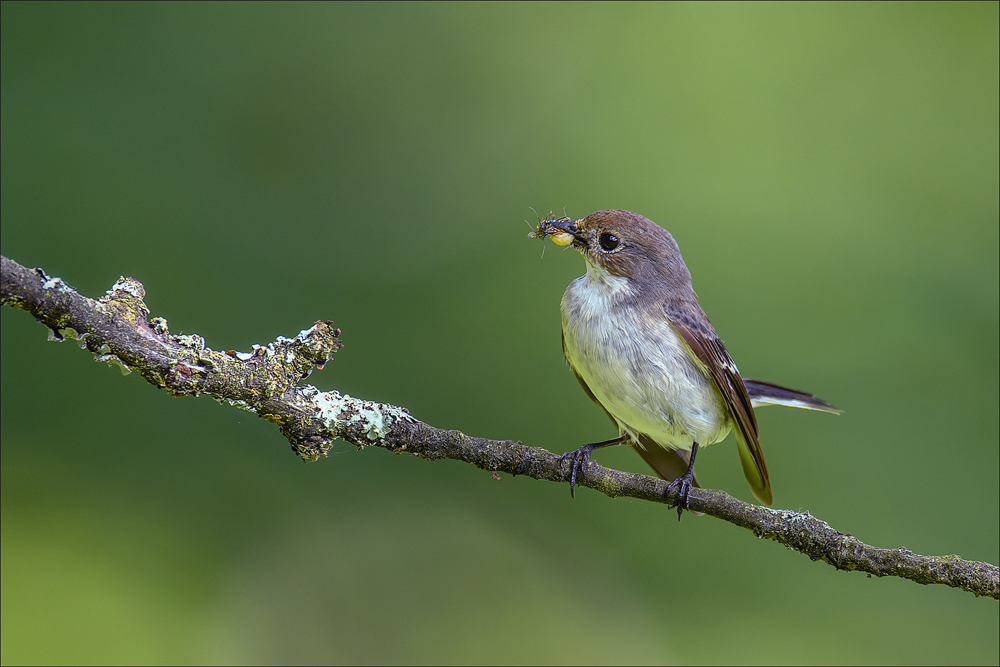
(117, 329)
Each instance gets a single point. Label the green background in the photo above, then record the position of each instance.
(829, 170)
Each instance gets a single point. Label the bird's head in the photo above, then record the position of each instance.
(625, 245)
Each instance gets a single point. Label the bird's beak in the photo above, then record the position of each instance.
(563, 230)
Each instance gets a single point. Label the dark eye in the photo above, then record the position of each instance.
(609, 241)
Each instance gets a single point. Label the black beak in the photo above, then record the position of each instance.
(564, 225)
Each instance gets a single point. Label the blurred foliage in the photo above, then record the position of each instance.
(829, 170)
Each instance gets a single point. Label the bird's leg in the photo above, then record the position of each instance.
(581, 457)
(683, 484)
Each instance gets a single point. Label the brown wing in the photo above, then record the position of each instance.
(711, 353)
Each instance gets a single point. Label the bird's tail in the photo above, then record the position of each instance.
(767, 393)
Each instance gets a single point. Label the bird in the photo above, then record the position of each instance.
(643, 349)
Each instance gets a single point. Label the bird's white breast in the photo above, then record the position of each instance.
(637, 365)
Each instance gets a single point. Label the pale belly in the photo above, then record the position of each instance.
(641, 372)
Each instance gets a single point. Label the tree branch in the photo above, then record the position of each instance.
(264, 381)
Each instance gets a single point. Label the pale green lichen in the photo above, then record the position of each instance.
(193, 341)
(794, 517)
(271, 349)
(53, 283)
(113, 360)
(238, 403)
(62, 334)
(129, 285)
(160, 325)
(376, 419)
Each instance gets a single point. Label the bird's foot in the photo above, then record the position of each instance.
(682, 485)
(579, 458)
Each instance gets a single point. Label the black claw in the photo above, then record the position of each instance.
(683, 485)
(581, 457)
(683, 493)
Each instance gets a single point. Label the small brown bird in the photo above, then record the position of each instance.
(644, 350)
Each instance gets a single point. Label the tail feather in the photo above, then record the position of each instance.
(767, 393)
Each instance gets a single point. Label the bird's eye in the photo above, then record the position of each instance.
(609, 241)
